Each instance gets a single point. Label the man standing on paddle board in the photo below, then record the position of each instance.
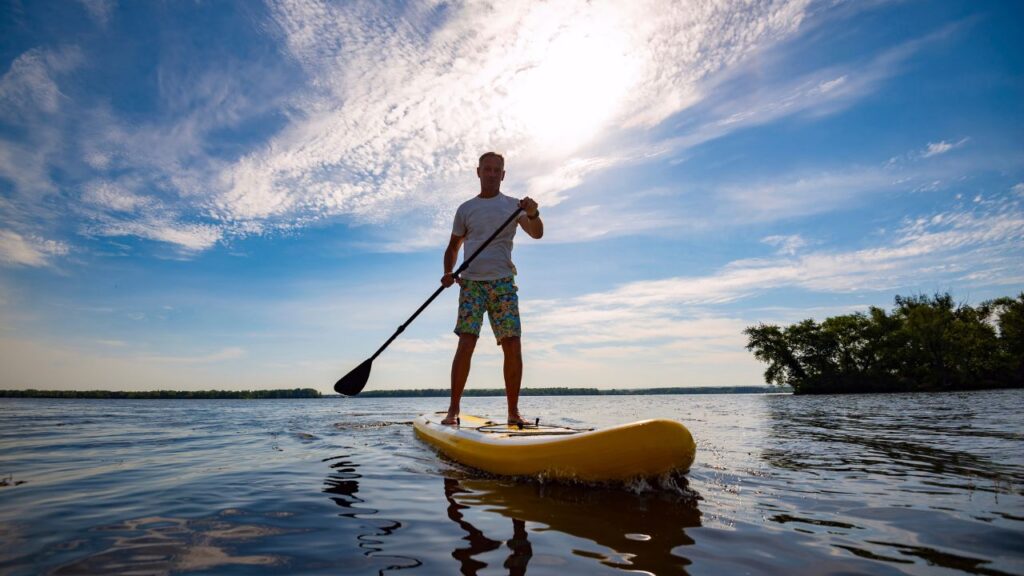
(488, 284)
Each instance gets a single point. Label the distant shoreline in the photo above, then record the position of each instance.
(165, 394)
(443, 392)
(421, 393)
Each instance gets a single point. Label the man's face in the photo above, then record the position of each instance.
(491, 172)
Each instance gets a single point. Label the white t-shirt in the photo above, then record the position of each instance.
(478, 218)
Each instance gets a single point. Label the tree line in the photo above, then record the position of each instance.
(163, 394)
(926, 343)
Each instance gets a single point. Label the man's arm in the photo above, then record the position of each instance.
(451, 256)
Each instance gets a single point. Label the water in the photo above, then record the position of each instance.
(895, 484)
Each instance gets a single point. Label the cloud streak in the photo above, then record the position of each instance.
(33, 251)
(185, 236)
(941, 147)
(30, 85)
(101, 11)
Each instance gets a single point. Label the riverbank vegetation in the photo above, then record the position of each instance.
(924, 344)
(163, 394)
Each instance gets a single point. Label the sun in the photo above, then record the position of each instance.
(576, 82)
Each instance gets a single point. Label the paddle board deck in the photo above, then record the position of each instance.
(640, 449)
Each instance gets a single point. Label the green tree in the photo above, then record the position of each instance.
(926, 343)
(1010, 324)
(769, 345)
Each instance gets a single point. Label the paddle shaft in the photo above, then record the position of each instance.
(441, 288)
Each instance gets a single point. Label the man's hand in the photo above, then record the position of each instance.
(449, 279)
(528, 206)
(532, 223)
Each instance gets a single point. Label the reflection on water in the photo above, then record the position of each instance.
(519, 544)
(166, 545)
(632, 531)
(618, 529)
(343, 484)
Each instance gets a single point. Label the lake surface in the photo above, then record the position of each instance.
(865, 484)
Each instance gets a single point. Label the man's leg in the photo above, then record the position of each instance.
(472, 303)
(460, 373)
(503, 313)
(513, 374)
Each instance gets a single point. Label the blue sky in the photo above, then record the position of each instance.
(244, 195)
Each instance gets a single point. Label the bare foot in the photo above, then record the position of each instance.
(517, 420)
(450, 420)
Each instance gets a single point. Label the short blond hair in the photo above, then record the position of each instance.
(491, 155)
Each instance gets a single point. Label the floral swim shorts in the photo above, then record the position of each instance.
(498, 298)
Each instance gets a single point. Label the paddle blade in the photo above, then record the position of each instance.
(353, 382)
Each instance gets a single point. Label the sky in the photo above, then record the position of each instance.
(244, 195)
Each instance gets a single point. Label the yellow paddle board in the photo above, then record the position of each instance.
(639, 449)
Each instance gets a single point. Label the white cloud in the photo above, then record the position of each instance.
(191, 237)
(830, 85)
(155, 179)
(787, 245)
(16, 249)
(1018, 188)
(743, 99)
(547, 188)
(600, 221)
(941, 147)
(100, 10)
(30, 97)
(803, 194)
(97, 159)
(113, 196)
(30, 84)
(27, 166)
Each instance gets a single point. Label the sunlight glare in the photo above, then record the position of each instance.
(580, 81)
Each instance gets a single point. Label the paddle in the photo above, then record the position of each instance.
(353, 382)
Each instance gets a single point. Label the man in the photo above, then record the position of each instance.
(488, 284)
